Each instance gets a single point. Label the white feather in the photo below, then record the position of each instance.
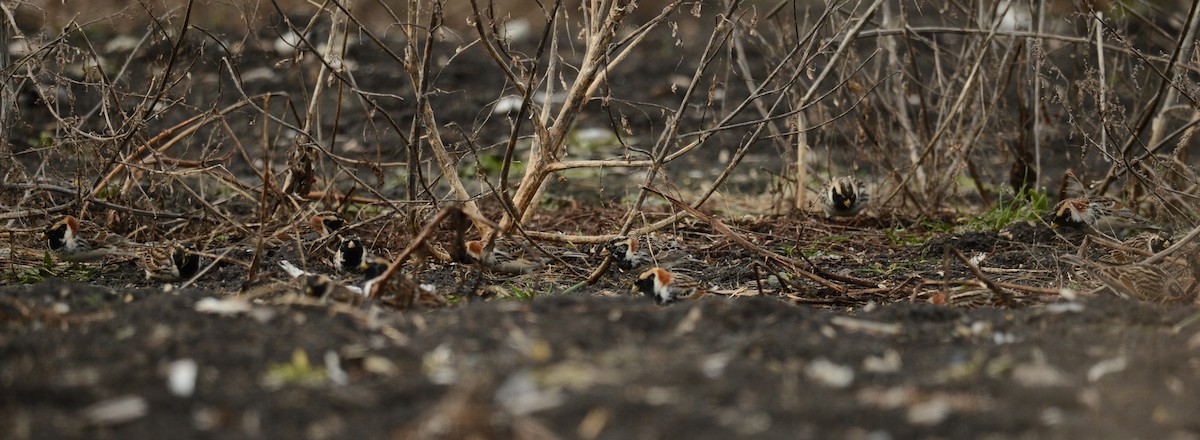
(292, 270)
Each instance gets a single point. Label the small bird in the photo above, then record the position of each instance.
(624, 251)
(75, 241)
(666, 287)
(321, 286)
(969, 298)
(477, 252)
(170, 262)
(1100, 213)
(1140, 281)
(327, 222)
(1156, 241)
(374, 267)
(350, 255)
(628, 252)
(501, 261)
(373, 270)
(1151, 242)
(843, 197)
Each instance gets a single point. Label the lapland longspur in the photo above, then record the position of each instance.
(500, 260)
(321, 286)
(630, 252)
(666, 287)
(76, 241)
(327, 222)
(170, 261)
(1146, 243)
(477, 252)
(1103, 214)
(1144, 282)
(843, 196)
(625, 251)
(350, 255)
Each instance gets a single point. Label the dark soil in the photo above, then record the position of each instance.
(587, 366)
(601, 363)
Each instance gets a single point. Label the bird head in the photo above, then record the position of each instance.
(186, 260)
(624, 250)
(327, 222)
(1159, 242)
(651, 282)
(374, 267)
(844, 192)
(475, 250)
(317, 286)
(349, 254)
(620, 245)
(1068, 213)
(61, 232)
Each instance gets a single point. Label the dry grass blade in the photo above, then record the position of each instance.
(1005, 297)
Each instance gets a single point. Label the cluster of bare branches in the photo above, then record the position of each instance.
(1020, 92)
(319, 107)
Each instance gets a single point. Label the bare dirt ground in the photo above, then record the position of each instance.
(601, 363)
(96, 351)
(600, 367)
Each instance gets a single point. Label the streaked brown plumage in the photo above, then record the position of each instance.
(169, 261)
(327, 222)
(500, 260)
(624, 251)
(73, 240)
(1103, 214)
(1146, 243)
(1140, 281)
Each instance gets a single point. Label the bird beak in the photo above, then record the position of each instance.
(846, 203)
